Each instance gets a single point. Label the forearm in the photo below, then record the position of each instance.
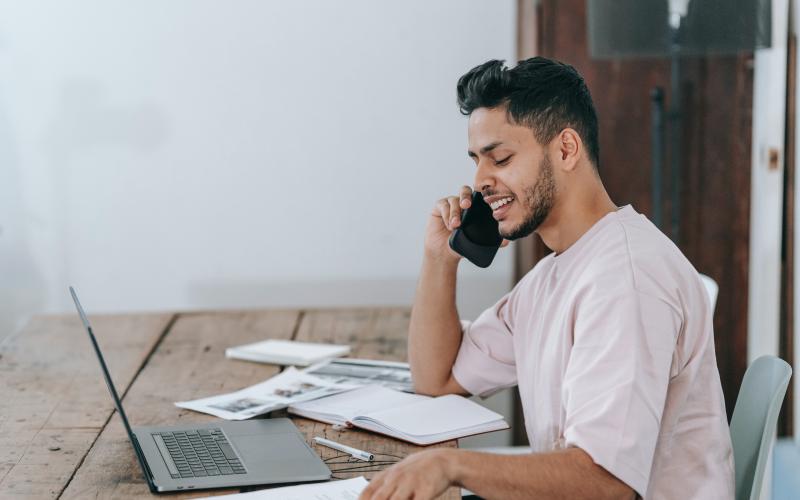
(435, 331)
(568, 474)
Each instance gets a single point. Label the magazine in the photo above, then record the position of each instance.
(278, 392)
(360, 372)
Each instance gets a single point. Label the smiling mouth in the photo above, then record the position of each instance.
(501, 202)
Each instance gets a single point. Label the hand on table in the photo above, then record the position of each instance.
(421, 476)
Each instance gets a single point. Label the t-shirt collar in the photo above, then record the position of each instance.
(566, 257)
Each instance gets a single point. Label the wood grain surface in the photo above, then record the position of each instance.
(190, 363)
(373, 333)
(53, 401)
(58, 437)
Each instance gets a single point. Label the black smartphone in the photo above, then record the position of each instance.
(477, 238)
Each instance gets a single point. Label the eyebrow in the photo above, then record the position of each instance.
(485, 149)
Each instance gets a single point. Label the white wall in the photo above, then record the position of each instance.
(194, 154)
(766, 190)
(766, 199)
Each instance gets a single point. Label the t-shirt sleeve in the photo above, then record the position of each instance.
(616, 381)
(485, 360)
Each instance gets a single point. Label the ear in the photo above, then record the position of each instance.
(569, 148)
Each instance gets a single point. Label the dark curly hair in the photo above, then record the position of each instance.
(545, 95)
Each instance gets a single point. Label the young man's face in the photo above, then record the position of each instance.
(514, 172)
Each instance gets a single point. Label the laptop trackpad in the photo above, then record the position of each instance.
(271, 447)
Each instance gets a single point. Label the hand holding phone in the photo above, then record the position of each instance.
(477, 238)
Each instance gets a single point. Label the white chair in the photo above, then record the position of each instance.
(755, 417)
(712, 289)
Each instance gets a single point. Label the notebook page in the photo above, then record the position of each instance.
(442, 415)
(362, 401)
(368, 424)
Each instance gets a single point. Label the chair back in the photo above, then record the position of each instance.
(712, 289)
(755, 417)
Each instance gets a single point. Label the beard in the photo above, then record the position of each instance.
(537, 202)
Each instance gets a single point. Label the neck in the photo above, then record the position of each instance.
(573, 215)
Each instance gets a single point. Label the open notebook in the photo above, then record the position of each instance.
(414, 418)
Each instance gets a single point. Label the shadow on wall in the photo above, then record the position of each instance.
(37, 204)
(84, 121)
(21, 284)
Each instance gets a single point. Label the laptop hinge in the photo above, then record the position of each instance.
(148, 474)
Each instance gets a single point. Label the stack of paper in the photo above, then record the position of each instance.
(287, 352)
(348, 489)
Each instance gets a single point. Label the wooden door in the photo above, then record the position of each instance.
(717, 96)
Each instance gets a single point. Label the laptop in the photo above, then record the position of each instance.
(218, 454)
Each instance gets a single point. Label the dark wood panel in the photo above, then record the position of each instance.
(715, 190)
(715, 228)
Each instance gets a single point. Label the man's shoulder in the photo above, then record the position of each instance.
(629, 252)
(633, 254)
(655, 259)
(645, 261)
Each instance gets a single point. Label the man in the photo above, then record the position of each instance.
(609, 338)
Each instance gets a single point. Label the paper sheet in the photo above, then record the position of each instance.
(290, 386)
(348, 489)
(365, 372)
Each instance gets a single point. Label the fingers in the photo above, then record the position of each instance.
(455, 212)
(385, 491)
(466, 196)
(378, 488)
(449, 209)
(374, 485)
(405, 491)
(443, 209)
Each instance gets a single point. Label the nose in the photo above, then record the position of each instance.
(483, 177)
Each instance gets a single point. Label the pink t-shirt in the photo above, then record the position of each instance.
(611, 344)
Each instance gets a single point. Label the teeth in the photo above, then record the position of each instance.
(499, 203)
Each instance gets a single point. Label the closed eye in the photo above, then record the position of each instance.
(503, 161)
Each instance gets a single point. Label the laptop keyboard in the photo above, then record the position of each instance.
(200, 453)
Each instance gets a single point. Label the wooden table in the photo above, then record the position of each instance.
(59, 435)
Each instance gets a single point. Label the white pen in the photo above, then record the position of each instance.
(356, 453)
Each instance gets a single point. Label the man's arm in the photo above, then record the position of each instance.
(435, 332)
(569, 474)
